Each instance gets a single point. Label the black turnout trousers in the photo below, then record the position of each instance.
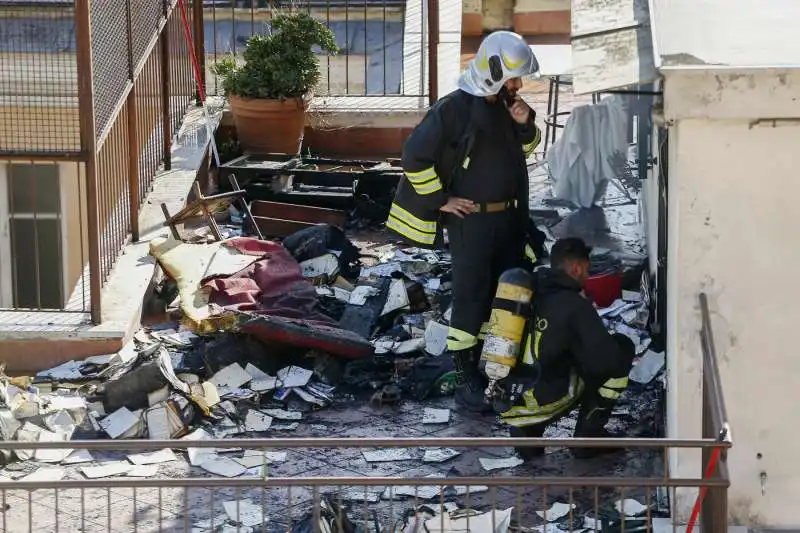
(482, 246)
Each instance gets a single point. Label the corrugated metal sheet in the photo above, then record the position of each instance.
(612, 44)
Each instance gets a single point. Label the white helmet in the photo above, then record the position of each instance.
(502, 55)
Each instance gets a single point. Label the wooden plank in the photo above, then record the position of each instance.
(298, 213)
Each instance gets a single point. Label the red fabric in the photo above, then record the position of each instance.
(273, 285)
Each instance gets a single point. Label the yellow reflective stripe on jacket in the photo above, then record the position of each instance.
(460, 340)
(407, 231)
(531, 146)
(421, 176)
(529, 253)
(613, 388)
(424, 226)
(425, 182)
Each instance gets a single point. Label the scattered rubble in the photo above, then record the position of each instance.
(264, 334)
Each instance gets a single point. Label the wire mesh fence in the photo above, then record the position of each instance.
(38, 80)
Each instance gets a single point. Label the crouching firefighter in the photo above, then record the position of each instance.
(465, 167)
(547, 351)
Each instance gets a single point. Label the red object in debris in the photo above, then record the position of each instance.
(604, 288)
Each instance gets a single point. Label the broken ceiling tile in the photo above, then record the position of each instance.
(143, 471)
(439, 455)
(255, 372)
(63, 402)
(285, 427)
(282, 414)
(114, 468)
(198, 455)
(45, 474)
(160, 456)
(223, 466)
(52, 455)
(78, 457)
(257, 421)
(119, 422)
(397, 298)
(435, 338)
(409, 346)
(384, 270)
(294, 376)
(648, 366)
(245, 512)
(386, 455)
(558, 511)
(232, 376)
(435, 416)
(497, 464)
(629, 507)
(263, 385)
(362, 293)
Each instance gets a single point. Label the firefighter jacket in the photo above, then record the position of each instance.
(465, 146)
(569, 341)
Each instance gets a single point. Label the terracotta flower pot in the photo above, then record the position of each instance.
(269, 126)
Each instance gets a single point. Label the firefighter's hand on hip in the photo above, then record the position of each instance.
(458, 206)
(520, 111)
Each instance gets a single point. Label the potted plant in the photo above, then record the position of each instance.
(268, 93)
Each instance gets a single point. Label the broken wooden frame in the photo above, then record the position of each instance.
(207, 206)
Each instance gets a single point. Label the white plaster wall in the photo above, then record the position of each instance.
(733, 223)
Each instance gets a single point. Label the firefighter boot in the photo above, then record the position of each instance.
(470, 387)
(593, 416)
(528, 453)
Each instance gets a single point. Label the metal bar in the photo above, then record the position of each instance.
(711, 375)
(133, 164)
(199, 41)
(83, 41)
(366, 481)
(381, 442)
(166, 123)
(608, 31)
(433, 51)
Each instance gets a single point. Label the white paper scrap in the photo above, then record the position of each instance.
(52, 456)
(631, 296)
(199, 455)
(294, 376)
(556, 512)
(119, 422)
(361, 294)
(231, 377)
(435, 416)
(151, 458)
(262, 385)
(397, 298)
(629, 507)
(435, 338)
(223, 466)
(245, 512)
(439, 455)
(386, 455)
(114, 468)
(497, 464)
(648, 366)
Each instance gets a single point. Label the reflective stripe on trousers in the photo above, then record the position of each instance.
(531, 413)
(458, 340)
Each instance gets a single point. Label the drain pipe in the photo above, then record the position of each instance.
(433, 51)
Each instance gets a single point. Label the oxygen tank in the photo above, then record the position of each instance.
(504, 337)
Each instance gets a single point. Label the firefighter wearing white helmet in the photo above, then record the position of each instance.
(502, 56)
(465, 171)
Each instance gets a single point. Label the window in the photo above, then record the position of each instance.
(33, 233)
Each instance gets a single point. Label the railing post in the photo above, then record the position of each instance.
(133, 138)
(433, 51)
(199, 42)
(166, 121)
(83, 45)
